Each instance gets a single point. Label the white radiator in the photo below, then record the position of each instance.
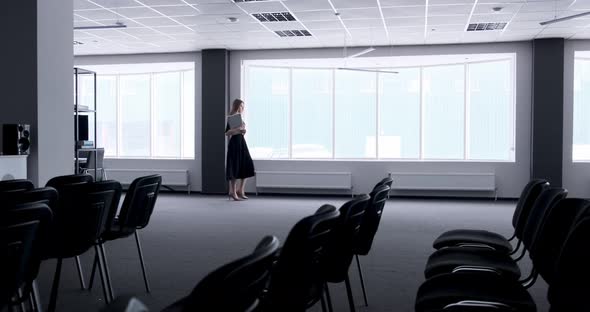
(304, 180)
(444, 181)
(170, 177)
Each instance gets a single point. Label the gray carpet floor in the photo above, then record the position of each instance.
(190, 236)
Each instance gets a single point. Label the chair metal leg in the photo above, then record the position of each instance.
(349, 294)
(328, 298)
(323, 302)
(55, 286)
(36, 297)
(145, 278)
(31, 301)
(80, 274)
(94, 264)
(106, 271)
(23, 307)
(358, 264)
(105, 290)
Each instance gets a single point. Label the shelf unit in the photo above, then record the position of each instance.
(84, 104)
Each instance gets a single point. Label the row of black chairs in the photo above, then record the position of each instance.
(318, 250)
(69, 216)
(476, 270)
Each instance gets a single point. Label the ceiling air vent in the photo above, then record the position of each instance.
(274, 17)
(486, 26)
(293, 33)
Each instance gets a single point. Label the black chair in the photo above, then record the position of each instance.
(385, 181)
(451, 259)
(78, 225)
(46, 195)
(340, 248)
(59, 183)
(22, 231)
(235, 287)
(560, 256)
(298, 280)
(16, 185)
(135, 215)
(125, 303)
(465, 237)
(369, 226)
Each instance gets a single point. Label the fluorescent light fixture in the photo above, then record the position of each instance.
(368, 70)
(117, 25)
(363, 52)
(561, 19)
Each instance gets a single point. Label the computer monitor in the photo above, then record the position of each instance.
(82, 128)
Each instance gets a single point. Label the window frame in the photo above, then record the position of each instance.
(467, 102)
(152, 113)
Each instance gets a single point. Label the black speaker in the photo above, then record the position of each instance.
(16, 139)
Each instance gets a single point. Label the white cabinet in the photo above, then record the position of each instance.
(13, 167)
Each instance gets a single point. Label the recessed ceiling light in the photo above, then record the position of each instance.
(232, 19)
(497, 9)
(78, 42)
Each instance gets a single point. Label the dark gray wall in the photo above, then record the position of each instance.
(214, 103)
(547, 112)
(18, 60)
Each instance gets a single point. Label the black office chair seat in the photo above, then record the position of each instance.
(464, 236)
(447, 259)
(449, 289)
(115, 231)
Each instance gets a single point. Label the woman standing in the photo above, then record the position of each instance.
(239, 165)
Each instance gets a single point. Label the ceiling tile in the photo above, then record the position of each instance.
(459, 9)
(324, 25)
(365, 13)
(156, 21)
(404, 11)
(137, 12)
(84, 5)
(259, 7)
(284, 25)
(244, 27)
(447, 2)
(352, 4)
(161, 2)
(551, 6)
(307, 5)
(177, 10)
(491, 18)
(405, 31)
(85, 23)
(139, 31)
(127, 22)
(445, 28)
(219, 8)
(207, 1)
(363, 23)
(211, 28)
(97, 14)
(523, 25)
(172, 30)
(409, 21)
(115, 3)
(448, 20)
(537, 16)
(324, 15)
(395, 3)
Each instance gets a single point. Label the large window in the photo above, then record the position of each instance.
(457, 111)
(581, 127)
(146, 115)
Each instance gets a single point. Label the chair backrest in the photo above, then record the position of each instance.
(560, 221)
(297, 280)
(371, 219)
(22, 229)
(58, 182)
(238, 285)
(46, 195)
(139, 203)
(345, 236)
(541, 208)
(16, 185)
(84, 209)
(525, 203)
(95, 155)
(385, 181)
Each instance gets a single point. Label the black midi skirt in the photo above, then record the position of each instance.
(239, 164)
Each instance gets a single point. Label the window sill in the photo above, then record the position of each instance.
(146, 158)
(385, 160)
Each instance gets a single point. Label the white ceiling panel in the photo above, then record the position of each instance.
(408, 21)
(348, 4)
(259, 7)
(508, 8)
(459, 9)
(219, 8)
(324, 25)
(284, 26)
(397, 3)
(206, 28)
(157, 21)
(160, 2)
(307, 5)
(491, 18)
(207, 1)
(405, 31)
(171, 30)
(390, 12)
(446, 28)
(177, 10)
(448, 20)
(115, 3)
(84, 5)
(137, 12)
(364, 13)
(323, 15)
(97, 14)
(364, 23)
(244, 27)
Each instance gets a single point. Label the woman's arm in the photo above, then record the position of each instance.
(231, 132)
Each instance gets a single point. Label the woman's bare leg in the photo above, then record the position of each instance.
(242, 189)
(232, 189)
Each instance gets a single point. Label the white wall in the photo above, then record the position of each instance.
(55, 57)
(510, 177)
(576, 176)
(194, 166)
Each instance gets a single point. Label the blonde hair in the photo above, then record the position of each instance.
(235, 106)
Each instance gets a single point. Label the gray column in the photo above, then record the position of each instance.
(547, 119)
(215, 84)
